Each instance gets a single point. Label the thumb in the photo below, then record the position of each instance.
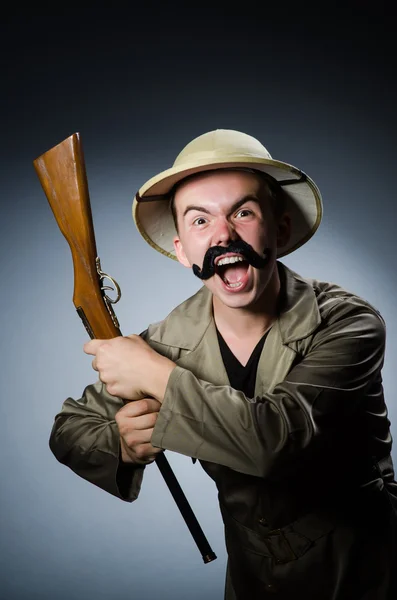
(92, 346)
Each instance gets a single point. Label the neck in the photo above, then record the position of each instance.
(250, 321)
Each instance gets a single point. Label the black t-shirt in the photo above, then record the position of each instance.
(241, 377)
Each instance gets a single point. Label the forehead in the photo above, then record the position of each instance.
(213, 185)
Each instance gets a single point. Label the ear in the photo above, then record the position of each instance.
(283, 230)
(180, 253)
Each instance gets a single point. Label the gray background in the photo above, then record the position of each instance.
(318, 91)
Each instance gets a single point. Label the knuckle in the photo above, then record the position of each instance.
(125, 411)
(100, 351)
(153, 419)
(144, 405)
(123, 426)
(120, 416)
(131, 439)
(140, 452)
(103, 350)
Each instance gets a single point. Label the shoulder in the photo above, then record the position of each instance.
(184, 326)
(347, 313)
(318, 308)
(333, 299)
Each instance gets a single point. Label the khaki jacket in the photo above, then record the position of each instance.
(303, 469)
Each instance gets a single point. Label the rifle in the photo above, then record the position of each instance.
(62, 174)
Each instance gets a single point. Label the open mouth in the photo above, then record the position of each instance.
(232, 270)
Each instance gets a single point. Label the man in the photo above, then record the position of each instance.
(272, 381)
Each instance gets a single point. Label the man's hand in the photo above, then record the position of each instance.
(130, 368)
(135, 422)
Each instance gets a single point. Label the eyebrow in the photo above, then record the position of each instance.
(236, 205)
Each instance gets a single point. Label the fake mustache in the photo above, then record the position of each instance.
(238, 247)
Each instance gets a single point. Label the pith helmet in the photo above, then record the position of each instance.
(225, 149)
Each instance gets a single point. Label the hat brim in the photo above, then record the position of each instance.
(154, 221)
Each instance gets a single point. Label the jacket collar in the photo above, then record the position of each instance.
(299, 315)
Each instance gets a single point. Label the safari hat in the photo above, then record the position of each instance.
(225, 149)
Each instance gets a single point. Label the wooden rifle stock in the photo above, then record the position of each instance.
(62, 174)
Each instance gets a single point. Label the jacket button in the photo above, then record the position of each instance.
(270, 587)
(262, 521)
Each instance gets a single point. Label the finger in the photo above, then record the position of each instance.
(92, 346)
(143, 454)
(140, 407)
(146, 452)
(127, 424)
(137, 437)
(147, 421)
(133, 336)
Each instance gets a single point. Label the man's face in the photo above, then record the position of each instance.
(216, 209)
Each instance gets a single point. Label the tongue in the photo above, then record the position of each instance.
(234, 274)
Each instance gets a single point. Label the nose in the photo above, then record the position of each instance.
(224, 233)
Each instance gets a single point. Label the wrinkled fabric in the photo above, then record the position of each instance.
(303, 469)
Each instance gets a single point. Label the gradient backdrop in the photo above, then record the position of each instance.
(318, 91)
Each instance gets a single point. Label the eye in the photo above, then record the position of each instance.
(243, 212)
(199, 221)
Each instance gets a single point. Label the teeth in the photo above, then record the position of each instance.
(235, 285)
(229, 260)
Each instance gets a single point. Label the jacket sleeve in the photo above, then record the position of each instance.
(85, 438)
(256, 436)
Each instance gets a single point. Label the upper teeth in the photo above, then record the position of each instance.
(229, 259)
